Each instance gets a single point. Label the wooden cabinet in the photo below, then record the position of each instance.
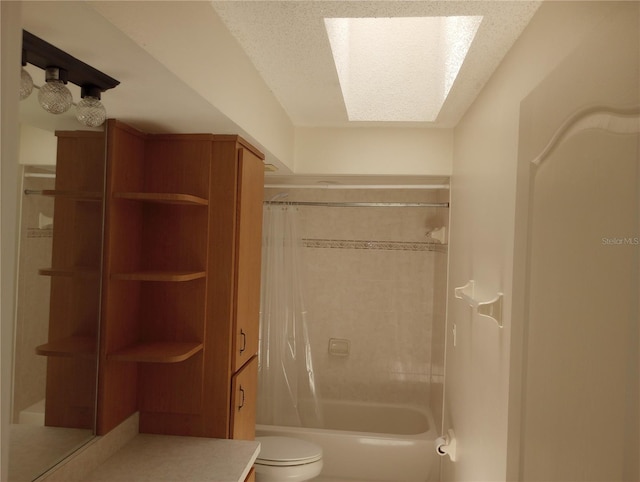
(74, 309)
(181, 281)
(235, 284)
(248, 258)
(244, 390)
(251, 477)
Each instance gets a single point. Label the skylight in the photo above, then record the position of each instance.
(400, 68)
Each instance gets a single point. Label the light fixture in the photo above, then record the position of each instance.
(60, 68)
(90, 110)
(54, 97)
(26, 82)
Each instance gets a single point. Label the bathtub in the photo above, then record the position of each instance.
(371, 442)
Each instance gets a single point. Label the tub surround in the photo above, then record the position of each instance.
(174, 458)
(372, 276)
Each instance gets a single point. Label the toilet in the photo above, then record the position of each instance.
(286, 459)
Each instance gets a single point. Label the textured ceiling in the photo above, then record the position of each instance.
(287, 42)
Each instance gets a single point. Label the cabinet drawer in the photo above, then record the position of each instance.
(244, 387)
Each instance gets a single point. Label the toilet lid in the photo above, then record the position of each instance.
(287, 451)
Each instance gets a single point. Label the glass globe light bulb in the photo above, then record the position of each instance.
(54, 97)
(90, 111)
(26, 84)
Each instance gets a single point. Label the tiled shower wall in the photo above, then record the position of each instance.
(375, 279)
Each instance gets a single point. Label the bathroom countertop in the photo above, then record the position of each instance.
(181, 459)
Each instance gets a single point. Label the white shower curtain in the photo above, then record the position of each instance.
(286, 389)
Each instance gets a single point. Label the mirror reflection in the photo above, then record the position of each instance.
(58, 292)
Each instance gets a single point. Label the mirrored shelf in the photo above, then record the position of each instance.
(73, 272)
(73, 346)
(73, 195)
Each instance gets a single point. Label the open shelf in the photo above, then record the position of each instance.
(76, 195)
(162, 197)
(73, 346)
(159, 276)
(157, 352)
(75, 272)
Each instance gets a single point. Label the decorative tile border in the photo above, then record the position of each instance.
(380, 245)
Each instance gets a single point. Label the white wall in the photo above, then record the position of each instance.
(378, 151)
(483, 371)
(212, 63)
(224, 76)
(581, 317)
(37, 146)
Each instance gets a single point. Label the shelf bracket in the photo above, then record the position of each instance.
(489, 309)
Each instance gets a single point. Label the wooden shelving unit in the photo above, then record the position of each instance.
(154, 295)
(181, 283)
(171, 198)
(234, 285)
(72, 346)
(71, 272)
(173, 275)
(166, 276)
(75, 272)
(157, 352)
(90, 196)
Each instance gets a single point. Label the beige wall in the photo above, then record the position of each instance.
(581, 386)
(483, 370)
(360, 150)
(231, 83)
(216, 62)
(37, 146)
(9, 180)
(581, 288)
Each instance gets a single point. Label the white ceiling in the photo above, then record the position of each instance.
(286, 42)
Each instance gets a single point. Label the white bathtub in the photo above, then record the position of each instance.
(371, 442)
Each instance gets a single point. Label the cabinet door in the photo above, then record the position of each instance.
(248, 257)
(244, 386)
(251, 477)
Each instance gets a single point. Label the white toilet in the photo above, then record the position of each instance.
(286, 459)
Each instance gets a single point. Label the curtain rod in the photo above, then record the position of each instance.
(44, 175)
(359, 204)
(356, 186)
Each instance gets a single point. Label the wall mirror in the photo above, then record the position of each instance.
(60, 213)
